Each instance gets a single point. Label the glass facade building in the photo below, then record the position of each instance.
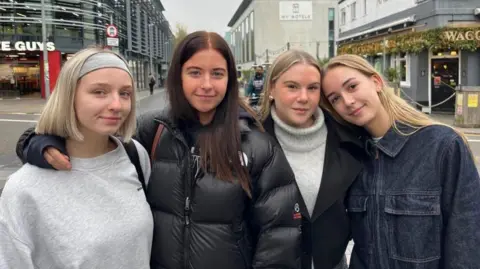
(145, 38)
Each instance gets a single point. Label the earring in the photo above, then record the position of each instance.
(270, 97)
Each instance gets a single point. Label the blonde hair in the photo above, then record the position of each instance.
(281, 65)
(58, 116)
(397, 108)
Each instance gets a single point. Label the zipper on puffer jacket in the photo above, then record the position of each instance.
(187, 206)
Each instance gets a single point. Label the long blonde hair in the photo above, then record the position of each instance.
(58, 116)
(279, 66)
(397, 108)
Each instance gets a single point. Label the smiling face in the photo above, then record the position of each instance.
(296, 95)
(353, 95)
(204, 81)
(103, 101)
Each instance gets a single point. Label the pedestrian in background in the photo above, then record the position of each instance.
(416, 203)
(151, 82)
(254, 88)
(95, 215)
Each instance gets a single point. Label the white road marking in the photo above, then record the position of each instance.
(12, 120)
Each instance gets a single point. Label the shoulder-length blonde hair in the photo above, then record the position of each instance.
(397, 108)
(58, 116)
(279, 66)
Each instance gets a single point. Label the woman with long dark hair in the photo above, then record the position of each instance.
(222, 193)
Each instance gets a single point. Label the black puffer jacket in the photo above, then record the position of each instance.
(207, 223)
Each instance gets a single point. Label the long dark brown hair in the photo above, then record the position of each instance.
(220, 148)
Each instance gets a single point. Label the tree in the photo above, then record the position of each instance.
(180, 32)
(322, 61)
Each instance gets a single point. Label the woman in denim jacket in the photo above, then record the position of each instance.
(417, 202)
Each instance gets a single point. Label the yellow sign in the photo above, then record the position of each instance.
(473, 100)
(459, 99)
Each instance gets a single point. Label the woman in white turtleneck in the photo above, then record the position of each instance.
(325, 156)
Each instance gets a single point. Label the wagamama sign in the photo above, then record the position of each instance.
(26, 46)
(459, 36)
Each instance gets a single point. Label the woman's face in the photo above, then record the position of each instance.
(204, 81)
(296, 95)
(103, 101)
(353, 95)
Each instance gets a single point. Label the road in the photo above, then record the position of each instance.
(12, 126)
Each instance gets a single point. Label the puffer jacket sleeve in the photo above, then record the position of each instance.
(275, 218)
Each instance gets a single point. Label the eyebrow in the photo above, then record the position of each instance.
(102, 84)
(214, 69)
(294, 82)
(346, 81)
(343, 85)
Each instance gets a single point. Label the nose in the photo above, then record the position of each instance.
(206, 84)
(115, 103)
(303, 95)
(348, 99)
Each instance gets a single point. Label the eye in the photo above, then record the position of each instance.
(218, 74)
(314, 88)
(126, 94)
(194, 73)
(291, 86)
(334, 99)
(352, 86)
(99, 92)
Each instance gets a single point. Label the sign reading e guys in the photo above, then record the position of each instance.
(26, 46)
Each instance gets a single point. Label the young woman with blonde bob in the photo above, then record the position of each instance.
(325, 156)
(96, 215)
(416, 203)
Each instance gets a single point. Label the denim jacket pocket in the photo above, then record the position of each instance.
(360, 223)
(414, 227)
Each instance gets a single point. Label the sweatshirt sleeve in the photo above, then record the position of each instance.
(14, 251)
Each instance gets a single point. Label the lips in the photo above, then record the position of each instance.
(111, 118)
(301, 109)
(356, 111)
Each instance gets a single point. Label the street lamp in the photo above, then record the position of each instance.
(45, 54)
(150, 28)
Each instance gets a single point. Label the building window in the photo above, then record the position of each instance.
(354, 11)
(252, 39)
(331, 32)
(402, 63)
(343, 17)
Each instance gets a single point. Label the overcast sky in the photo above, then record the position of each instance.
(210, 15)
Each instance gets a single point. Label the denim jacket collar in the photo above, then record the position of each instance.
(393, 141)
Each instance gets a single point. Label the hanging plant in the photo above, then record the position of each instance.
(446, 38)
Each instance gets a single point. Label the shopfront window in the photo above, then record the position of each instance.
(402, 63)
(19, 74)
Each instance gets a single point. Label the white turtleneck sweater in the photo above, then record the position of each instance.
(305, 151)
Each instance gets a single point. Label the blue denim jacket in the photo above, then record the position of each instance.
(416, 205)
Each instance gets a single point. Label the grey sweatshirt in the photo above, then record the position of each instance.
(94, 216)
